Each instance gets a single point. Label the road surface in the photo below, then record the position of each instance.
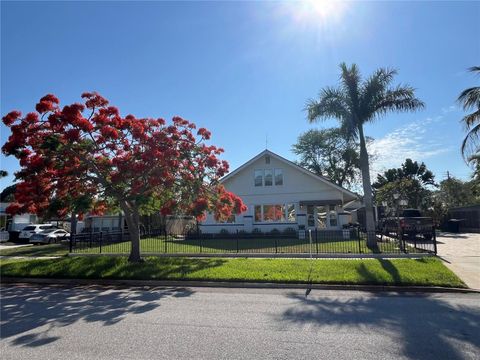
(40, 322)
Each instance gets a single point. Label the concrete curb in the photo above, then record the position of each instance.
(233, 284)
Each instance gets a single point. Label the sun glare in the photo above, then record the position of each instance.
(324, 11)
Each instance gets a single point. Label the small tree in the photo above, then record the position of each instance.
(326, 152)
(412, 181)
(72, 162)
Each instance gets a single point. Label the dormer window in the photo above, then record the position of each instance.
(278, 177)
(258, 177)
(268, 177)
(267, 159)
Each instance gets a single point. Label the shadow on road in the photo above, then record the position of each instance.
(429, 327)
(36, 308)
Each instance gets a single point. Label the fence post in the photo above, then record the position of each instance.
(91, 238)
(276, 246)
(316, 239)
(165, 240)
(200, 239)
(359, 241)
(237, 243)
(434, 240)
(101, 236)
(71, 242)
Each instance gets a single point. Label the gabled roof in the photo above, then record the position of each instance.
(323, 179)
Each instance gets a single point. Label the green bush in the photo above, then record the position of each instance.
(289, 231)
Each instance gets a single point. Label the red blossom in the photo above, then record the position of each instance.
(11, 117)
(47, 103)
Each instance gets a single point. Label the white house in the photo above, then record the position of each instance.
(16, 222)
(280, 194)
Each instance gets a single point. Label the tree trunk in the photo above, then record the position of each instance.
(367, 191)
(133, 222)
(73, 224)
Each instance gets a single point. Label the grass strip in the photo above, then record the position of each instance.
(418, 272)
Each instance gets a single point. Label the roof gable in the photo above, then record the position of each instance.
(291, 164)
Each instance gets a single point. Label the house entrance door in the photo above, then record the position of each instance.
(316, 217)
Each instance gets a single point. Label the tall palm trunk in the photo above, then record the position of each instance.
(133, 222)
(367, 190)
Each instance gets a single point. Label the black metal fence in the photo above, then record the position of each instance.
(348, 241)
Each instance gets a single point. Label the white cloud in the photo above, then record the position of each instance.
(412, 140)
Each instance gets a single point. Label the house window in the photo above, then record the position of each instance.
(230, 220)
(258, 177)
(268, 213)
(268, 177)
(291, 215)
(275, 213)
(267, 159)
(258, 213)
(278, 177)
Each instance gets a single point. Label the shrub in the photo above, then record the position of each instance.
(256, 231)
(224, 232)
(289, 231)
(274, 231)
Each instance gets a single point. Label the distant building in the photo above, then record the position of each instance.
(468, 216)
(16, 222)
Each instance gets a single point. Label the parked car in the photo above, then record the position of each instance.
(29, 230)
(49, 236)
(411, 222)
(4, 235)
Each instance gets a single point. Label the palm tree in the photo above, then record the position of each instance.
(358, 101)
(470, 100)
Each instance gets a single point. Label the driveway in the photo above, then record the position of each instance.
(461, 253)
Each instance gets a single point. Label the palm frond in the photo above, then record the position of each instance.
(331, 104)
(470, 98)
(374, 88)
(471, 144)
(474, 69)
(401, 98)
(471, 119)
(350, 79)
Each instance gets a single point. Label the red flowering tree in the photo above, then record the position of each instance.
(74, 159)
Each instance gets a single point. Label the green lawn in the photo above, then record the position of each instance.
(249, 245)
(171, 245)
(422, 272)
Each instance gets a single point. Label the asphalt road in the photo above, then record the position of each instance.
(39, 322)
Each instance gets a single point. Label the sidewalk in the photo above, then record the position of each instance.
(461, 254)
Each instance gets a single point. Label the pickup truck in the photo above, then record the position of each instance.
(411, 223)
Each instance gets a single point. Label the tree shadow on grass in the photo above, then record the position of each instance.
(29, 313)
(422, 327)
(109, 267)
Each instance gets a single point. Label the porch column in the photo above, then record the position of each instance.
(302, 216)
(248, 223)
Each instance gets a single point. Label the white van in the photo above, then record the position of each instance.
(29, 230)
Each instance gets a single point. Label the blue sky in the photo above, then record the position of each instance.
(244, 70)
